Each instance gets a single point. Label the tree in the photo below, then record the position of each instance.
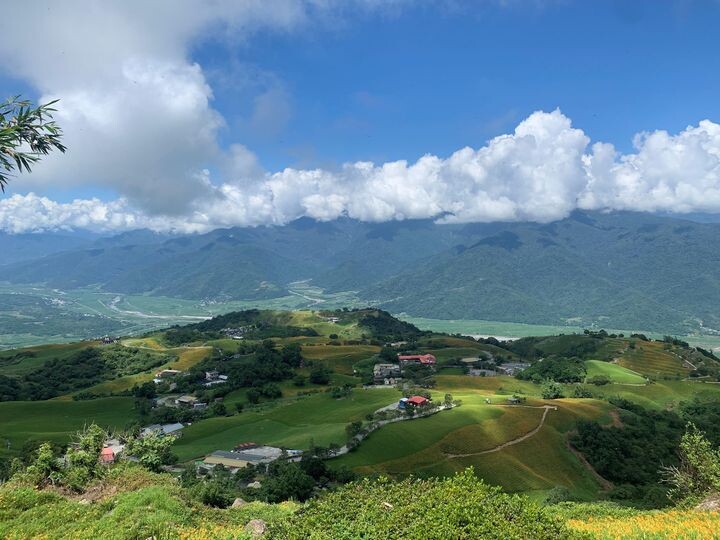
(218, 409)
(291, 354)
(24, 126)
(699, 470)
(152, 450)
(82, 457)
(448, 400)
(285, 481)
(320, 374)
(44, 468)
(353, 429)
(552, 390)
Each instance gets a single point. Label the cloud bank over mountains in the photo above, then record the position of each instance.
(139, 122)
(541, 172)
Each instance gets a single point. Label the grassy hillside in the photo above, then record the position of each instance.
(521, 448)
(56, 420)
(16, 363)
(613, 372)
(131, 503)
(294, 423)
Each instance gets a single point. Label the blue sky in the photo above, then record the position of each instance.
(435, 79)
(190, 115)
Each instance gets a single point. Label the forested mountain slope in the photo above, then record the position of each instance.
(622, 270)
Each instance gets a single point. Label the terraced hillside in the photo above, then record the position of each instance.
(313, 399)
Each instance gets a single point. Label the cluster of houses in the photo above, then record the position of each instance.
(114, 447)
(165, 375)
(391, 374)
(109, 340)
(489, 367)
(236, 333)
(245, 454)
(214, 377)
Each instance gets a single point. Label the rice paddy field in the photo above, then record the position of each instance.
(340, 358)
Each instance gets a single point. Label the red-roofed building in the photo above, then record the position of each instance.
(418, 401)
(425, 359)
(107, 455)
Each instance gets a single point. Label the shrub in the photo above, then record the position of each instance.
(461, 507)
(699, 471)
(551, 390)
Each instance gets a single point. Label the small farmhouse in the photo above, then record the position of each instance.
(165, 374)
(214, 377)
(250, 454)
(386, 372)
(413, 401)
(186, 401)
(162, 429)
(425, 359)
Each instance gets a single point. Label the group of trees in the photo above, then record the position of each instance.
(81, 369)
(78, 464)
(280, 480)
(632, 456)
(555, 368)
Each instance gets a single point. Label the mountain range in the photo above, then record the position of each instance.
(619, 270)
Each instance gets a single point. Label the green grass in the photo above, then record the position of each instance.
(661, 394)
(129, 503)
(186, 358)
(653, 360)
(57, 420)
(292, 423)
(539, 463)
(17, 367)
(340, 358)
(614, 372)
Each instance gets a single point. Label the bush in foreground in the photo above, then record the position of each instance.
(461, 507)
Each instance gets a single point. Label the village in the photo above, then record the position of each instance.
(244, 453)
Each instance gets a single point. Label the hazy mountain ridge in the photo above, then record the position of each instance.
(623, 270)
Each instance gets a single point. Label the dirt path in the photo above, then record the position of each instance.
(615, 417)
(605, 484)
(518, 440)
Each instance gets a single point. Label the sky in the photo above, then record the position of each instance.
(191, 115)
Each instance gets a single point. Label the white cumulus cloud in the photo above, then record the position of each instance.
(541, 172)
(139, 121)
